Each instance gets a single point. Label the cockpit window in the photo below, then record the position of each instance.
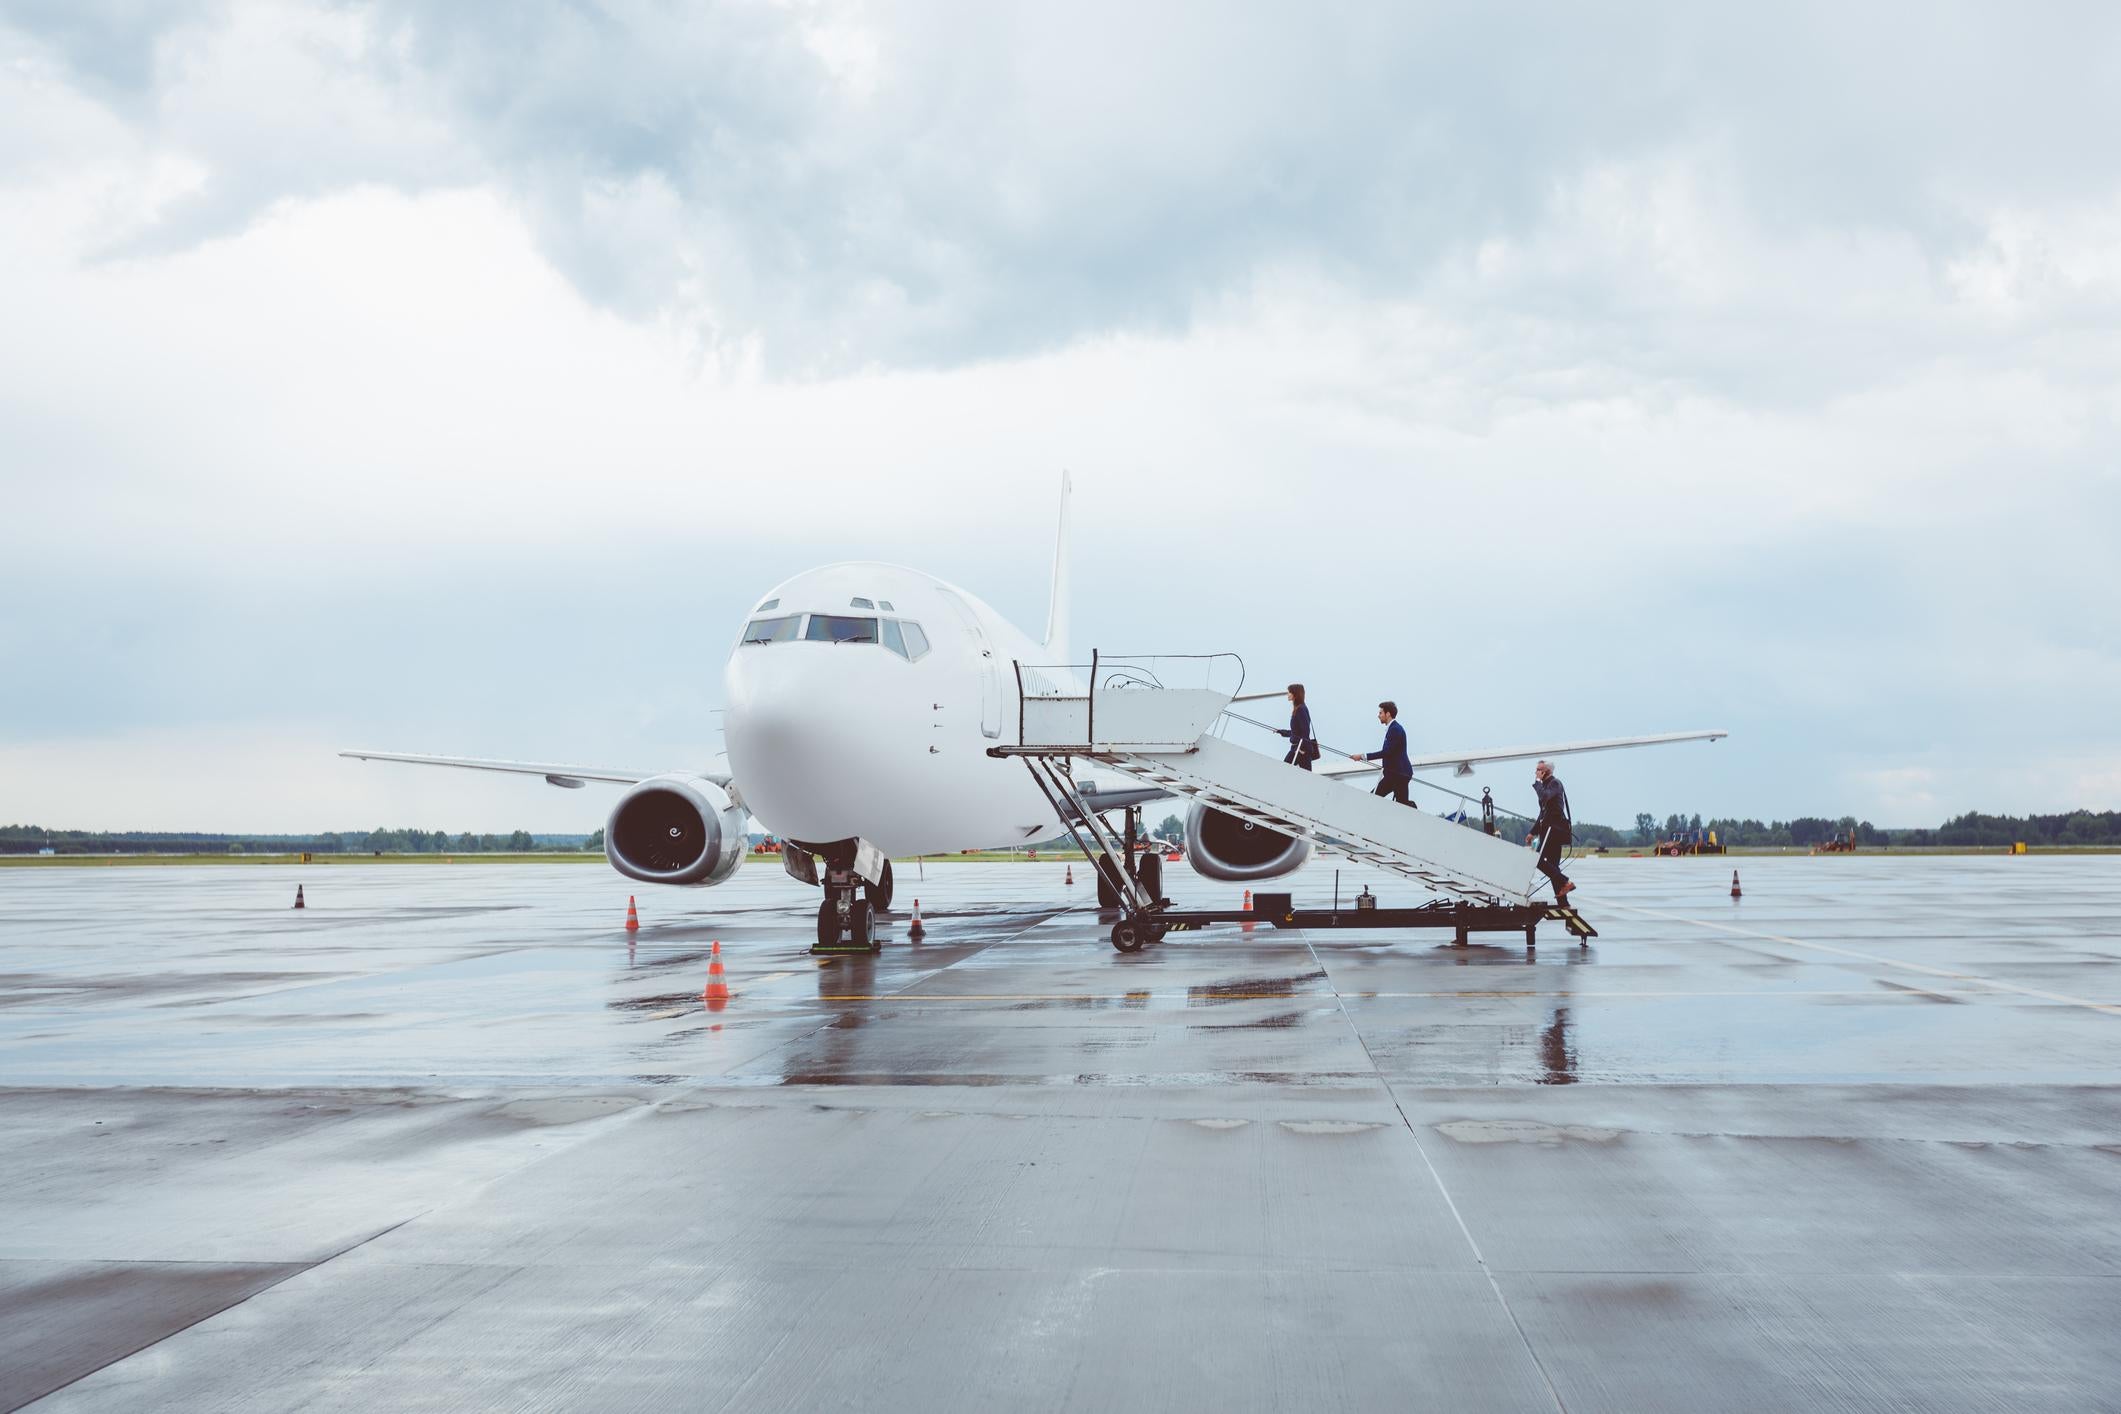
(916, 641)
(893, 639)
(769, 604)
(780, 630)
(835, 628)
(861, 603)
(883, 604)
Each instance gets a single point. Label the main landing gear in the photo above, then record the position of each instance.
(1146, 869)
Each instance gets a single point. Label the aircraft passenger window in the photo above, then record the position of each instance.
(769, 604)
(893, 639)
(883, 604)
(916, 641)
(780, 630)
(835, 628)
(861, 603)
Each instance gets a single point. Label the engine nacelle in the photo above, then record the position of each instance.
(675, 829)
(1222, 846)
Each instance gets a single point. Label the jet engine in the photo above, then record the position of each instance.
(1223, 846)
(675, 829)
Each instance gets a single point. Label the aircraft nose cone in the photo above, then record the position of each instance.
(804, 738)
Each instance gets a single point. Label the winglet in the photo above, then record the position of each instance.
(1057, 606)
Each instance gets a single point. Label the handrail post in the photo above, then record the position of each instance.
(1090, 704)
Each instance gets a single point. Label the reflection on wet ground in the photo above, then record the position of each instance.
(460, 1120)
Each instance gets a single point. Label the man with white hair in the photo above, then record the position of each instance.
(1552, 826)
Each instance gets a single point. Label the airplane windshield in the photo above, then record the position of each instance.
(833, 628)
(779, 630)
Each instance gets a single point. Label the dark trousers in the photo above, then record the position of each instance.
(1550, 848)
(1297, 758)
(1396, 787)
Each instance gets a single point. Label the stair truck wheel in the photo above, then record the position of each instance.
(1128, 936)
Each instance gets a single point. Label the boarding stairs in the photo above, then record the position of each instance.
(1164, 737)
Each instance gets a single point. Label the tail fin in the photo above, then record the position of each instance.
(1057, 606)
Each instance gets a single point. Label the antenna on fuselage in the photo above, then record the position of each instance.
(1057, 604)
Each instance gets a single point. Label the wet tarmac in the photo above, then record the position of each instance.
(451, 1138)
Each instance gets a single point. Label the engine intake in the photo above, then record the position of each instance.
(1222, 846)
(675, 829)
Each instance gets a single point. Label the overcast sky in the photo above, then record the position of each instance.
(453, 378)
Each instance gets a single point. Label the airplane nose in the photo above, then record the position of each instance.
(803, 733)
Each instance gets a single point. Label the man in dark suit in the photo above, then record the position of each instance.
(1553, 828)
(1398, 770)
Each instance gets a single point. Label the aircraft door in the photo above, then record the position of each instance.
(989, 667)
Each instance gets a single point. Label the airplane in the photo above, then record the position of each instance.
(863, 699)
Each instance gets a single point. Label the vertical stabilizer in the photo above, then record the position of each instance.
(1057, 606)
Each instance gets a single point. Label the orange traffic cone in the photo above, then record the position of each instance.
(298, 897)
(1734, 884)
(633, 920)
(916, 929)
(716, 992)
(1071, 874)
(1248, 908)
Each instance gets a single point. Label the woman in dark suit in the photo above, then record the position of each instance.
(1303, 747)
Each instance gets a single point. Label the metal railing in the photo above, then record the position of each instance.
(1050, 691)
(1472, 819)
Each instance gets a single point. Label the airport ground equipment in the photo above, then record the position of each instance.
(1690, 842)
(1164, 737)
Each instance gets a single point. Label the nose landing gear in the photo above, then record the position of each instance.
(857, 882)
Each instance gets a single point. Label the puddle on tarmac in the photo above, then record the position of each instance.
(566, 1109)
(1328, 1126)
(1523, 1131)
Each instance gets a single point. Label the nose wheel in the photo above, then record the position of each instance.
(880, 893)
(847, 925)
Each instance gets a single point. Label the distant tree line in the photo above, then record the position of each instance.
(29, 839)
(2078, 827)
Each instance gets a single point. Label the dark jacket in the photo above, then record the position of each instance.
(1394, 755)
(1299, 733)
(1553, 809)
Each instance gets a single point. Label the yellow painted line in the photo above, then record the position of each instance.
(1871, 994)
(2110, 1008)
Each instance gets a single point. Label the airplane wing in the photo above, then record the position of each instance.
(566, 777)
(1463, 762)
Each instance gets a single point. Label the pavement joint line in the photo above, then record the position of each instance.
(301, 1269)
(1465, 1230)
(2110, 1008)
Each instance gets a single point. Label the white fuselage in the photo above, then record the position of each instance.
(856, 739)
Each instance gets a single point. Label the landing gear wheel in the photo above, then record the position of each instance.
(1150, 874)
(1128, 936)
(1108, 891)
(880, 893)
(861, 926)
(828, 925)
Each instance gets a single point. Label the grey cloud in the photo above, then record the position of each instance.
(1018, 177)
